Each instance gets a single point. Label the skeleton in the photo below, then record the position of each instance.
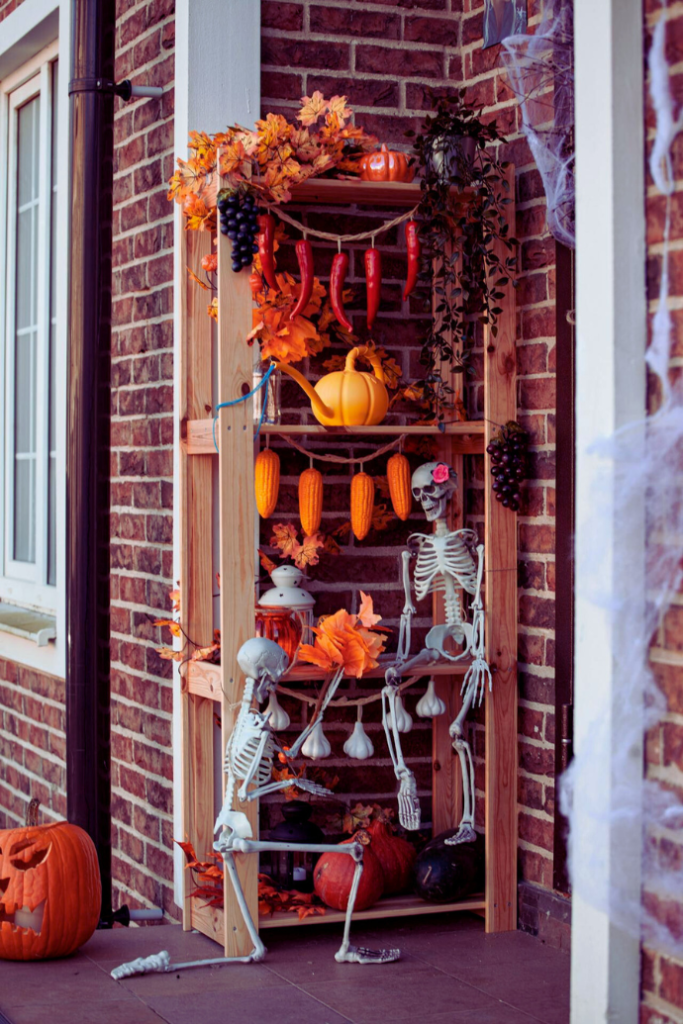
(445, 564)
(249, 758)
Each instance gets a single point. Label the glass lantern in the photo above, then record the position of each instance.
(293, 869)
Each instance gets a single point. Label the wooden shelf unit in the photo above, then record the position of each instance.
(204, 686)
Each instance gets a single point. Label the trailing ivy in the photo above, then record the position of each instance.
(455, 153)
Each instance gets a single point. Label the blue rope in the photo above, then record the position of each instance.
(244, 398)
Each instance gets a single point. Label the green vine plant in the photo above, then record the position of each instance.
(455, 152)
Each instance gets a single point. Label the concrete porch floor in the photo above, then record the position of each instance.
(450, 973)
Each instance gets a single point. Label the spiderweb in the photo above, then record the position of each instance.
(541, 72)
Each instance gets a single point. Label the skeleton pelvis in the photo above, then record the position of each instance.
(440, 636)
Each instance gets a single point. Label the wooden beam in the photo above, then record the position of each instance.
(199, 437)
(196, 610)
(235, 428)
(500, 539)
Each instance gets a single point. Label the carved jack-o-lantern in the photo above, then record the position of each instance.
(50, 891)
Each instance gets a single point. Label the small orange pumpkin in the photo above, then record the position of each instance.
(387, 165)
(50, 891)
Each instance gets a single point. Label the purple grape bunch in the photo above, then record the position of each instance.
(509, 465)
(239, 215)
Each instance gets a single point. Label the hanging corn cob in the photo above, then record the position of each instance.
(266, 482)
(398, 477)
(362, 502)
(310, 500)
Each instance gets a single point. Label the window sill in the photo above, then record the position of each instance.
(31, 625)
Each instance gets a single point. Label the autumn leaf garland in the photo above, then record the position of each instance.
(270, 159)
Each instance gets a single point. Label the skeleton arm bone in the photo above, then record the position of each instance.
(479, 673)
(408, 611)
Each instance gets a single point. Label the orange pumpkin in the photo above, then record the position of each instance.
(333, 877)
(50, 891)
(386, 165)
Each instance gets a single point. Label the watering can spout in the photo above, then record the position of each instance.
(321, 410)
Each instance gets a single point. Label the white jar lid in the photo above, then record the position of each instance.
(286, 597)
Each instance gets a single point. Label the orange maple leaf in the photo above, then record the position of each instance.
(311, 108)
(285, 538)
(366, 614)
(308, 551)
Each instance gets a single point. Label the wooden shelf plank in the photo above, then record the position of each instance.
(467, 438)
(375, 193)
(204, 680)
(392, 906)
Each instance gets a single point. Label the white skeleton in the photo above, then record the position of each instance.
(249, 758)
(444, 564)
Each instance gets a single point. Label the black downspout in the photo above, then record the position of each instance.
(88, 417)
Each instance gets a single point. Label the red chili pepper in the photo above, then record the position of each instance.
(413, 246)
(340, 265)
(304, 254)
(266, 223)
(373, 282)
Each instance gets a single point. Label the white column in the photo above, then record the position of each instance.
(610, 392)
(217, 83)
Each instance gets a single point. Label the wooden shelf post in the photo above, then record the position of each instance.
(500, 539)
(195, 556)
(235, 429)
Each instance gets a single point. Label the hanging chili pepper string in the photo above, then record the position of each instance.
(339, 458)
(329, 236)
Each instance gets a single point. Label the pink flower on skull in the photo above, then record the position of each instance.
(440, 473)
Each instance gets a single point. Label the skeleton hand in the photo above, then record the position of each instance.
(475, 680)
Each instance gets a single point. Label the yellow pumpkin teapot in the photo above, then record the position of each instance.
(348, 397)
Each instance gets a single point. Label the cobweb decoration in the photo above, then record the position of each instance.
(541, 72)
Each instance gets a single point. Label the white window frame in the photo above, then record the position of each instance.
(13, 573)
(38, 31)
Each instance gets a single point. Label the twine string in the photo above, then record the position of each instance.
(339, 458)
(330, 236)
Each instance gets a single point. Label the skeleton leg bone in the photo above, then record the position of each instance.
(347, 953)
(465, 833)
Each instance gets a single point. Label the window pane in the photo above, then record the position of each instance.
(26, 337)
(24, 510)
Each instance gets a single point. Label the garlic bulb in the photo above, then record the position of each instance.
(429, 705)
(317, 745)
(404, 722)
(359, 745)
(277, 716)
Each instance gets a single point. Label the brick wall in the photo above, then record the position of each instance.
(382, 55)
(142, 459)
(662, 974)
(32, 744)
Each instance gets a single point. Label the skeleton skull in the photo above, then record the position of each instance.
(433, 494)
(262, 660)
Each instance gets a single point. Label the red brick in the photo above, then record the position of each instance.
(286, 17)
(350, 22)
(404, 63)
(301, 53)
(438, 31)
(537, 611)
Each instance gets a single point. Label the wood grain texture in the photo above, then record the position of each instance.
(235, 429)
(196, 556)
(468, 438)
(205, 680)
(390, 906)
(500, 405)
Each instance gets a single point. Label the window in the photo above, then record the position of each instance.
(29, 350)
